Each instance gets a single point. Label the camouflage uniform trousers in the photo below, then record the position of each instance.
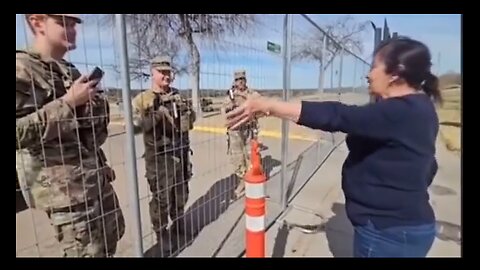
(238, 152)
(90, 229)
(169, 186)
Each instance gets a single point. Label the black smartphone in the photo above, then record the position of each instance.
(96, 74)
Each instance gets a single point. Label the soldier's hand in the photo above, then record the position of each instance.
(162, 111)
(80, 92)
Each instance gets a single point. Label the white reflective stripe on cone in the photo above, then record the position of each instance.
(255, 224)
(254, 191)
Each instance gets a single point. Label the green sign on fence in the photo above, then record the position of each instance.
(273, 47)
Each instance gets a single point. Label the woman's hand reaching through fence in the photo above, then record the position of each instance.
(255, 106)
(258, 106)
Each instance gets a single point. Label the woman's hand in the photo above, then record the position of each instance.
(258, 106)
(254, 106)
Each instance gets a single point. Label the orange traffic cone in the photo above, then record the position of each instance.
(255, 205)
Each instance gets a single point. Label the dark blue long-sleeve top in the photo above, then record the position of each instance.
(391, 160)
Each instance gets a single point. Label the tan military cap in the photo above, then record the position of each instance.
(240, 74)
(76, 17)
(163, 62)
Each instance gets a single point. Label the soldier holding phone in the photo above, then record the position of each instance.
(61, 123)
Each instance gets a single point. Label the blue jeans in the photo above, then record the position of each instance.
(405, 241)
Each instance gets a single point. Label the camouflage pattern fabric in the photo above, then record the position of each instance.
(165, 120)
(60, 163)
(239, 139)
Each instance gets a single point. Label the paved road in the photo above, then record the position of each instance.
(210, 183)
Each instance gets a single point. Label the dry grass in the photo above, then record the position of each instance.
(450, 118)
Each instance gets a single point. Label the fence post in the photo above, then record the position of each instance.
(354, 75)
(377, 40)
(331, 73)
(287, 45)
(322, 87)
(131, 161)
(321, 76)
(340, 70)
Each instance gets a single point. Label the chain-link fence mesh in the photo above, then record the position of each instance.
(203, 214)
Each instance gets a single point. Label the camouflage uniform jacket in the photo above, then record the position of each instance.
(168, 135)
(59, 160)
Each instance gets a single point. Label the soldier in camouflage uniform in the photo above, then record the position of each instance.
(165, 119)
(238, 139)
(61, 124)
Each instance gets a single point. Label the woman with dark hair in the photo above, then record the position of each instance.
(391, 160)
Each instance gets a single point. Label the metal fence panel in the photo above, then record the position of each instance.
(213, 219)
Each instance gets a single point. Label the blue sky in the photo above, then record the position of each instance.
(97, 45)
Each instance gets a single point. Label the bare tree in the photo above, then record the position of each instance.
(171, 34)
(147, 39)
(346, 33)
